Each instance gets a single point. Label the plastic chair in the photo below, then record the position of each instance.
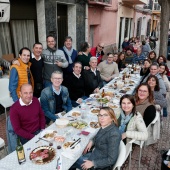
(121, 157)
(2, 144)
(5, 99)
(129, 151)
(142, 143)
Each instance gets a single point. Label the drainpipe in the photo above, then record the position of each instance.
(86, 22)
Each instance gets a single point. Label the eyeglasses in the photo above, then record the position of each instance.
(142, 91)
(101, 46)
(104, 115)
(57, 78)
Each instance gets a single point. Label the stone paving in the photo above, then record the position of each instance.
(151, 155)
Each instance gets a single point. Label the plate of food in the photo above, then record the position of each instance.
(42, 155)
(94, 124)
(78, 124)
(95, 111)
(66, 147)
(113, 106)
(95, 96)
(75, 113)
(48, 134)
(103, 100)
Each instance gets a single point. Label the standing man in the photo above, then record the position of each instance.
(108, 69)
(93, 81)
(36, 68)
(98, 52)
(26, 115)
(70, 55)
(54, 60)
(55, 98)
(20, 74)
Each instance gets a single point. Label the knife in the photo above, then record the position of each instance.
(58, 163)
(74, 142)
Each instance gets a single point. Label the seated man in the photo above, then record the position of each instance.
(76, 85)
(55, 98)
(26, 115)
(139, 57)
(93, 81)
(128, 56)
(20, 74)
(108, 69)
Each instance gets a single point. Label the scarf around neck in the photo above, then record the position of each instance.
(142, 106)
(124, 121)
(69, 53)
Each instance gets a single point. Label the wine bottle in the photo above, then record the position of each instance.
(20, 152)
(103, 93)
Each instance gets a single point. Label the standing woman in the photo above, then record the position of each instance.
(121, 61)
(152, 56)
(154, 85)
(84, 56)
(105, 144)
(131, 124)
(145, 103)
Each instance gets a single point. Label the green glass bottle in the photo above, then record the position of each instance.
(20, 152)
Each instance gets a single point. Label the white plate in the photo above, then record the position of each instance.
(93, 96)
(76, 148)
(94, 109)
(44, 132)
(74, 111)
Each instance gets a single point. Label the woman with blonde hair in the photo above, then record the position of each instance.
(105, 144)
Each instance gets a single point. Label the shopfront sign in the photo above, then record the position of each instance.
(4, 10)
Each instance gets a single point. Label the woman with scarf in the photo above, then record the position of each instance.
(131, 124)
(145, 103)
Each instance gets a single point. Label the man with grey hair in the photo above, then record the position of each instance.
(93, 81)
(55, 98)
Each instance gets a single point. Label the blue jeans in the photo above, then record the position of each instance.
(80, 161)
(23, 140)
(165, 113)
(47, 83)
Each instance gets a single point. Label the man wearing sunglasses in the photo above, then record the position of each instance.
(98, 51)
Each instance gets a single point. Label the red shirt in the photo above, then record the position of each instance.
(27, 119)
(93, 53)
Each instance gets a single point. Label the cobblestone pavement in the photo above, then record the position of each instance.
(151, 155)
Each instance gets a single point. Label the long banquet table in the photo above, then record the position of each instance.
(10, 162)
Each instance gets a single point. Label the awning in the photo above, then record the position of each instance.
(4, 10)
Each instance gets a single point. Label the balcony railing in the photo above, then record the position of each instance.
(156, 7)
(101, 2)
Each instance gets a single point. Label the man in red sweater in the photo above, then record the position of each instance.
(98, 52)
(26, 115)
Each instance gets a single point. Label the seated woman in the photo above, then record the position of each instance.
(131, 124)
(159, 99)
(121, 61)
(145, 70)
(105, 143)
(152, 56)
(145, 103)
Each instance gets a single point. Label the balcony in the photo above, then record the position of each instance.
(103, 3)
(135, 2)
(156, 9)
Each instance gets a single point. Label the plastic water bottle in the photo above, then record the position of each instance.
(83, 110)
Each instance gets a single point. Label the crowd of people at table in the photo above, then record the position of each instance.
(63, 78)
